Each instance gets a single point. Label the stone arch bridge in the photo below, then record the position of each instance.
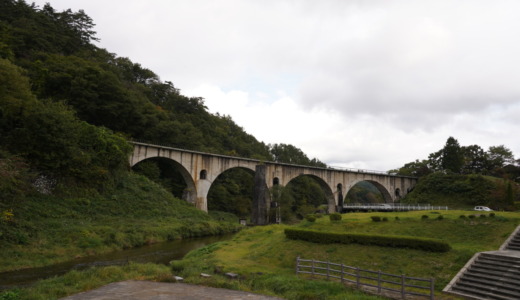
(200, 170)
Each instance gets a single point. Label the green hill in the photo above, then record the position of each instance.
(465, 191)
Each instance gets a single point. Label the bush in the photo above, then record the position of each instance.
(376, 218)
(367, 239)
(310, 218)
(483, 216)
(335, 217)
(397, 218)
(385, 219)
(424, 217)
(440, 217)
(471, 216)
(491, 215)
(462, 217)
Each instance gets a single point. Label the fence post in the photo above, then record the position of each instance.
(297, 265)
(379, 281)
(342, 272)
(328, 270)
(432, 286)
(312, 269)
(402, 287)
(357, 277)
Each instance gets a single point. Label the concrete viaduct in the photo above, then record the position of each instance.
(200, 170)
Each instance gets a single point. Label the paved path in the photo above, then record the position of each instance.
(149, 290)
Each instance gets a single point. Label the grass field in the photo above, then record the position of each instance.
(265, 259)
(265, 250)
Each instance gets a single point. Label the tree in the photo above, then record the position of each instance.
(452, 158)
(285, 153)
(435, 161)
(415, 168)
(475, 159)
(499, 156)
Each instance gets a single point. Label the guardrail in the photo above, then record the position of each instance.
(401, 284)
(390, 207)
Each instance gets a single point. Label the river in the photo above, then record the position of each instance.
(161, 253)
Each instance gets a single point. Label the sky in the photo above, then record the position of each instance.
(358, 84)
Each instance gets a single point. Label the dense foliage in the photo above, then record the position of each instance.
(465, 191)
(67, 106)
(497, 161)
(56, 52)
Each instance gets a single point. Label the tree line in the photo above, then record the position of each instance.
(453, 158)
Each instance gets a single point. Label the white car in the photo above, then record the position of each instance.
(482, 208)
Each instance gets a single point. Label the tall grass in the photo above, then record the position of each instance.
(50, 229)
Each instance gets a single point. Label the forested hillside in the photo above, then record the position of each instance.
(465, 176)
(57, 56)
(67, 108)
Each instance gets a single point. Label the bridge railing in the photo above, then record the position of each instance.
(391, 207)
(333, 168)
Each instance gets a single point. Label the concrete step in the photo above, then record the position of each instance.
(496, 256)
(494, 272)
(498, 263)
(477, 288)
(480, 294)
(515, 281)
(509, 285)
(514, 248)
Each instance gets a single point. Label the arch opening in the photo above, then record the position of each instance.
(368, 192)
(303, 195)
(171, 175)
(232, 193)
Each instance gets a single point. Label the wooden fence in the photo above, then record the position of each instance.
(375, 279)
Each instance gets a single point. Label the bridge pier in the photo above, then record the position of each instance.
(261, 199)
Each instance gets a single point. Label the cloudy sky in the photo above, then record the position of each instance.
(362, 84)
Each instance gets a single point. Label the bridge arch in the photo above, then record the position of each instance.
(190, 192)
(232, 182)
(385, 192)
(324, 186)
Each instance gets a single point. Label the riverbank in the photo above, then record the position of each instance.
(45, 230)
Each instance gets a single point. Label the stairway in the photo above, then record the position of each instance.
(491, 275)
(513, 243)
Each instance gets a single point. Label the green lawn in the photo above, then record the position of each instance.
(266, 250)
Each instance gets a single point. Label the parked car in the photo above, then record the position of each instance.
(482, 208)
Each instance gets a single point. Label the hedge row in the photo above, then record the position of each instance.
(367, 239)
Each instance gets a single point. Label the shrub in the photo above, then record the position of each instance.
(367, 239)
(471, 216)
(385, 219)
(440, 217)
(462, 217)
(376, 218)
(310, 218)
(335, 217)
(491, 215)
(483, 216)
(424, 217)
(397, 218)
